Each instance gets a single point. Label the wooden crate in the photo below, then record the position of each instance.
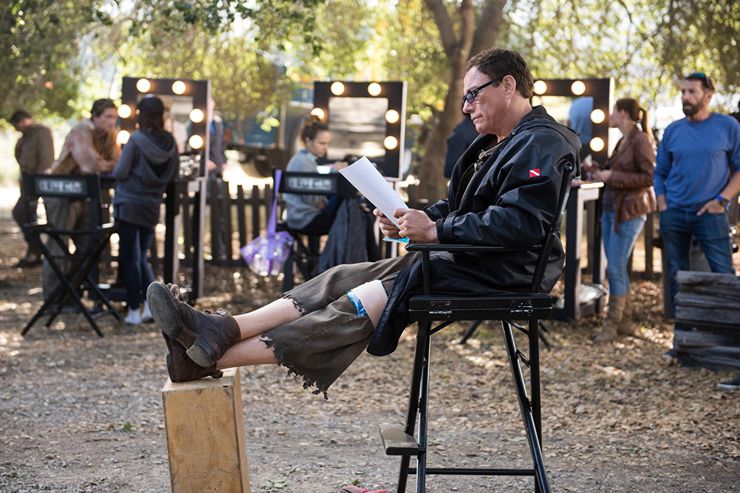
(708, 320)
(205, 435)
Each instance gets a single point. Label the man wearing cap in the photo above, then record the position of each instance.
(696, 175)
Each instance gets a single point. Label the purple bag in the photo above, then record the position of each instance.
(265, 255)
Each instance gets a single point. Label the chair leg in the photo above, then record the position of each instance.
(421, 472)
(532, 428)
(470, 331)
(420, 360)
(288, 270)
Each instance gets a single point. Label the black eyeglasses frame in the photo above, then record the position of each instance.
(470, 96)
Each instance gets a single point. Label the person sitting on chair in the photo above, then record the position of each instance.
(89, 148)
(148, 164)
(501, 194)
(313, 213)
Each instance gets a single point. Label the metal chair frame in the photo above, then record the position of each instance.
(78, 277)
(428, 308)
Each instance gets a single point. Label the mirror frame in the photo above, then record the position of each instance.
(393, 91)
(199, 90)
(602, 91)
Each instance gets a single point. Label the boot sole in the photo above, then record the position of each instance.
(167, 317)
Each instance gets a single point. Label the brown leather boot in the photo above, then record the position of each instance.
(608, 331)
(206, 336)
(627, 326)
(181, 368)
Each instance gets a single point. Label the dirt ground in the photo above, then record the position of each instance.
(80, 413)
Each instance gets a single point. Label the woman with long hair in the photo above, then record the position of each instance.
(313, 213)
(148, 163)
(628, 198)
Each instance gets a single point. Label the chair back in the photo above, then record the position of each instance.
(554, 231)
(304, 183)
(75, 187)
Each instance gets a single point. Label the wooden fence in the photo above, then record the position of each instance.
(245, 217)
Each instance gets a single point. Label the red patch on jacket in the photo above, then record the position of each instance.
(534, 173)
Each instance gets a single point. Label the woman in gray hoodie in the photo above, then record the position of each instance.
(148, 163)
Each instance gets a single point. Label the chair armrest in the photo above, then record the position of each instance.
(426, 248)
(459, 247)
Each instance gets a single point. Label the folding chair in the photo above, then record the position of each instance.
(427, 308)
(78, 276)
(306, 249)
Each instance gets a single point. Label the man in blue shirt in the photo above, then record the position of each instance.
(697, 173)
(579, 119)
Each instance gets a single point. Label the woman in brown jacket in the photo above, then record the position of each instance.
(628, 198)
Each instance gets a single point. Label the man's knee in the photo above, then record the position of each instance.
(372, 297)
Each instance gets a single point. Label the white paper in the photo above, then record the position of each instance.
(365, 178)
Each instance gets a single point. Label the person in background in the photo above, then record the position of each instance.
(89, 148)
(34, 152)
(579, 119)
(216, 163)
(311, 212)
(696, 175)
(628, 198)
(149, 162)
(736, 114)
(460, 139)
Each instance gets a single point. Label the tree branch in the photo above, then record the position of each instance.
(444, 26)
(489, 25)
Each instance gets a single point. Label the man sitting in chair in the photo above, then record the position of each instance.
(89, 148)
(504, 192)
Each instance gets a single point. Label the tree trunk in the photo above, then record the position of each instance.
(433, 184)
(458, 47)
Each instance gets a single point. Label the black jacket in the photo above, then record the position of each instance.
(510, 201)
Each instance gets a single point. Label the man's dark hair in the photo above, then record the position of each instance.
(18, 116)
(100, 105)
(499, 63)
(706, 82)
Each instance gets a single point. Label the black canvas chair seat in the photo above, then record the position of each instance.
(78, 276)
(507, 307)
(430, 308)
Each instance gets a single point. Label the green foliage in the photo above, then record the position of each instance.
(243, 81)
(276, 20)
(410, 50)
(38, 53)
(338, 46)
(647, 46)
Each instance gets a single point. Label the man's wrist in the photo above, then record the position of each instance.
(722, 200)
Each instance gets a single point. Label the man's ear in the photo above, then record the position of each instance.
(509, 85)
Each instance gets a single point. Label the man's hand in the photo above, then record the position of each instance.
(211, 165)
(662, 204)
(416, 226)
(386, 226)
(712, 207)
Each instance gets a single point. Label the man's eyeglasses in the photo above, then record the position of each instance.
(472, 94)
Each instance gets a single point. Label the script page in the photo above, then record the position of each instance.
(370, 183)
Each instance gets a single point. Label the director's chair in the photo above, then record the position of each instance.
(428, 308)
(77, 278)
(306, 248)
